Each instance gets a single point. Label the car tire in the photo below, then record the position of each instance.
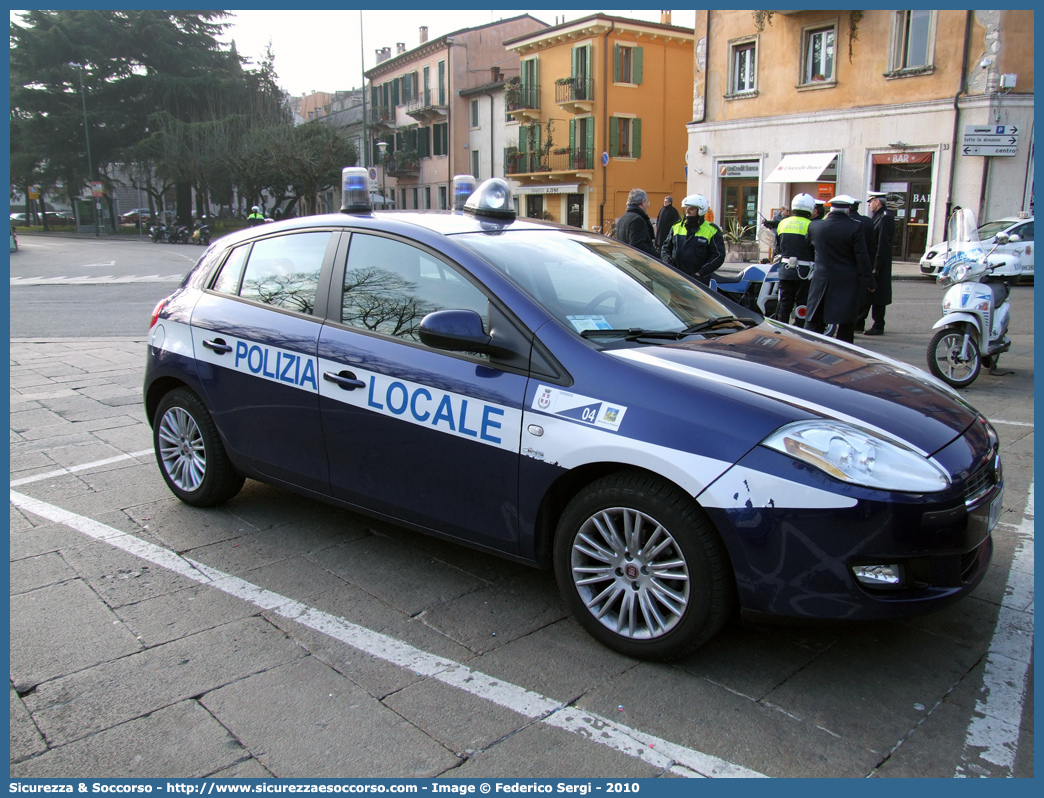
(620, 590)
(942, 347)
(189, 451)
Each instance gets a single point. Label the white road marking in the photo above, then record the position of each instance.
(73, 469)
(993, 734)
(106, 279)
(102, 263)
(649, 748)
(1012, 423)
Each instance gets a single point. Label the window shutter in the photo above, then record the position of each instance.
(521, 138)
(616, 63)
(575, 62)
(636, 65)
(572, 135)
(636, 138)
(395, 91)
(614, 136)
(590, 136)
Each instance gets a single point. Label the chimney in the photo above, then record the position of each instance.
(665, 17)
(423, 34)
(494, 73)
(383, 54)
(400, 48)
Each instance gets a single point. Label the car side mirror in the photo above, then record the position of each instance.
(454, 330)
(1014, 238)
(1003, 238)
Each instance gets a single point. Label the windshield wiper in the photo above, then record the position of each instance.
(633, 333)
(719, 321)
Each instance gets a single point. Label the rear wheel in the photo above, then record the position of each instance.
(946, 362)
(189, 451)
(641, 567)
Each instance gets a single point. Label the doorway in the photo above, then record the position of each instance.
(575, 210)
(907, 180)
(741, 207)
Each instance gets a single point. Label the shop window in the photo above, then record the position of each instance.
(743, 67)
(913, 42)
(535, 206)
(819, 61)
(427, 198)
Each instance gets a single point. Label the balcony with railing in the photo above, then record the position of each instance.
(382, 117)
(426, 106)
(554, 164)
(405, 163)
(523, 101)
(575, 96)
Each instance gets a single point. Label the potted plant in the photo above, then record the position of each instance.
(739, 241)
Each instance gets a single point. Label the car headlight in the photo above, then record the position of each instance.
(858, 457)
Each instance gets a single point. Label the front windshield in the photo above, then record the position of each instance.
(591, 283)
(964, 244)
(990, 229)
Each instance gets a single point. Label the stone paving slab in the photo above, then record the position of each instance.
(25, 739)
(105, 696)
(183, 739)
(42, 570)
(302, 720)
(62, 629)
(172, 616)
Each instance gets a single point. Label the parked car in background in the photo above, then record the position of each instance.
(18, 218)
(59, 218)
(935, 257)
(135, 216)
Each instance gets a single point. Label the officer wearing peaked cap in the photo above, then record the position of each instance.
(843, 271)
(884, 234)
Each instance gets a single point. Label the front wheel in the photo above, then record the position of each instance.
(189, 452)
(641, 568)
(947, 363)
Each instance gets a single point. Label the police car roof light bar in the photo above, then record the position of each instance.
(463, 187)
(492, 198)
(355, 192)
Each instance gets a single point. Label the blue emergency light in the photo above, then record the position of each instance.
(463, 187)
(355, 190)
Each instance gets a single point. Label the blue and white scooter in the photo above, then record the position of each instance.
(755, 288)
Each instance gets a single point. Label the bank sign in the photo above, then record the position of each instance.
(749, 169)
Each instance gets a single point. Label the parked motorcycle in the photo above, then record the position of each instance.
(755, 288)
(179, 234)
(159, 233)
(201, 235)
(974, 327)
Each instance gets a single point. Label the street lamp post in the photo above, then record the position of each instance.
(383, 147)
(90, 165)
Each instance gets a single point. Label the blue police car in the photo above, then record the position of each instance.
(559, 398)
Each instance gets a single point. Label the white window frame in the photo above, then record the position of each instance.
(898, 45)
(735, 47)
(807, 32)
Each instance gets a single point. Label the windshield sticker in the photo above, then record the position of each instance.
(584, 409)
(582, 323)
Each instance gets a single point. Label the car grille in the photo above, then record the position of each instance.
(980, 483)
(970, 563)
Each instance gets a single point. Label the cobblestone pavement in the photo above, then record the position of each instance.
(278, 636)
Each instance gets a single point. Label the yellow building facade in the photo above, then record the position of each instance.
(829, 102)
(602, 105)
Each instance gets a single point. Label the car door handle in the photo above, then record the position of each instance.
(345, 379)
(218, 345)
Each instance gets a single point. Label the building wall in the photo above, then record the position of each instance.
(866, 115)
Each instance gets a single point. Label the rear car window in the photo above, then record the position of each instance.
(284, 271)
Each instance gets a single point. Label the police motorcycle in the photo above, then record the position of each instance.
(756, 287)
(201, 233)
(974, 327)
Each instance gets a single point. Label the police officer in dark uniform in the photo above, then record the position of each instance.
(843, 271)
(797, 257)
(694, 245)
(884, 230)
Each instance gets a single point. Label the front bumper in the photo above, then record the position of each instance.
(800, 563)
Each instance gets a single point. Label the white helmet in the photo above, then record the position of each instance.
(803, 202)
(256, 209)
(697, 201)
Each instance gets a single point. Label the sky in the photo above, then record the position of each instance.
(319, 50)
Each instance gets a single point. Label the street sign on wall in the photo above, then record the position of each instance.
(992, 140)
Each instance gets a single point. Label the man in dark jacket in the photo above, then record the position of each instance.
(843, 272)
(665, 221)
(694, 245)
(884, 230)
(635, 226)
